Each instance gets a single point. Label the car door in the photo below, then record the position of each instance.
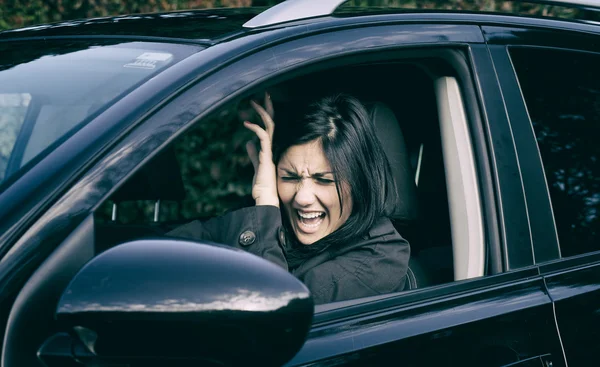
(426, 327)
(502, 318)
(556, 97)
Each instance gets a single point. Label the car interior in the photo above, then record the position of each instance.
(183, 182)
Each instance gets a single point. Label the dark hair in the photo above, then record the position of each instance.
(347, 134)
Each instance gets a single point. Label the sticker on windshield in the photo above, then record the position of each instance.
(149, 60)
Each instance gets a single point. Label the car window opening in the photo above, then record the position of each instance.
(211, 173)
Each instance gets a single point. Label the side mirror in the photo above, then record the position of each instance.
(167, 299)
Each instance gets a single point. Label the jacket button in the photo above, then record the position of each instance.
(247, 238)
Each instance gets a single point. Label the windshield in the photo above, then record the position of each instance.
(49, 90)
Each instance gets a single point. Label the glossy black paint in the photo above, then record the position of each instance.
(510, 321)
(514, 228)
(493, 326)
(326, 314)
(573, 284)
(539, 207)
(170, 298)
(160, 128)
(574, 38)
(576, 293)
(27, 327)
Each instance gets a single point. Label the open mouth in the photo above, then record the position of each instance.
(310, 220)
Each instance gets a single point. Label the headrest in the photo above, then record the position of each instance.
(159, 179)
(390, 135)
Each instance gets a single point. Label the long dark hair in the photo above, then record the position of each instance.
(343, 126)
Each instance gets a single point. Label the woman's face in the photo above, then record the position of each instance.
(308, 193)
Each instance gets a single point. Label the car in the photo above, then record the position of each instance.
(115, 130)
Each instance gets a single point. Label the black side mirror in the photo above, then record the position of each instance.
(171, 299)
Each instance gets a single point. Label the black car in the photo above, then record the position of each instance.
(115, 130)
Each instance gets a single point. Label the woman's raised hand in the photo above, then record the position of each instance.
(264, 183)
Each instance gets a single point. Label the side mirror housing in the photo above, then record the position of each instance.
(164, 299)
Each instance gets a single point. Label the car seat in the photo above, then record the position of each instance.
(159, 180)
(406, 211)
(431, 253)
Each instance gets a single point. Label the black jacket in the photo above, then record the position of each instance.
(372, 265)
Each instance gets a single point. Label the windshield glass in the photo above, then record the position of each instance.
(49, 90)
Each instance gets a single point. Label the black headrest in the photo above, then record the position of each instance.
(392, 140)
(159, 179)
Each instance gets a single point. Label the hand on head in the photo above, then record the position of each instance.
(264, 183)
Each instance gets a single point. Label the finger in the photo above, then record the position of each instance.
(252, 154)
(269, 105)
(259, 131)
(263, 137)
(264, 115)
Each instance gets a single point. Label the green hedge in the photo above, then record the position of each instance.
(21, 13)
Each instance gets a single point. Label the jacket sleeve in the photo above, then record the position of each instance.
(254, 229)
(371, 271)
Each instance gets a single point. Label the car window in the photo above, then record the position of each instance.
(206, 172)
(203, 174)
(562, 93)
(49, 90)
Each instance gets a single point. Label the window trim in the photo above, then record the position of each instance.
(544, 243)
(468, 247)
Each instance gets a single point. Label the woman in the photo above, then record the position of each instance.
(321, 195)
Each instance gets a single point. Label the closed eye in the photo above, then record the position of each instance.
(324, 181)
(289, 178)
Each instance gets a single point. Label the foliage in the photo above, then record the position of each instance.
(20, 13)
(215, 170)
(503, 6)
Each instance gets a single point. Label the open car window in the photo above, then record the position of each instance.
(206, 172)
(51, 89)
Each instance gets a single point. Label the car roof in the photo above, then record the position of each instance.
(210, 26)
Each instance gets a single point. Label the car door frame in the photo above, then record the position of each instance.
(446, 306)
(573, 283)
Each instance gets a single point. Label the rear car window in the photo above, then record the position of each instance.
(562, 93)
(49, 90)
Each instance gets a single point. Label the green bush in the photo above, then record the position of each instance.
(21, 13)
